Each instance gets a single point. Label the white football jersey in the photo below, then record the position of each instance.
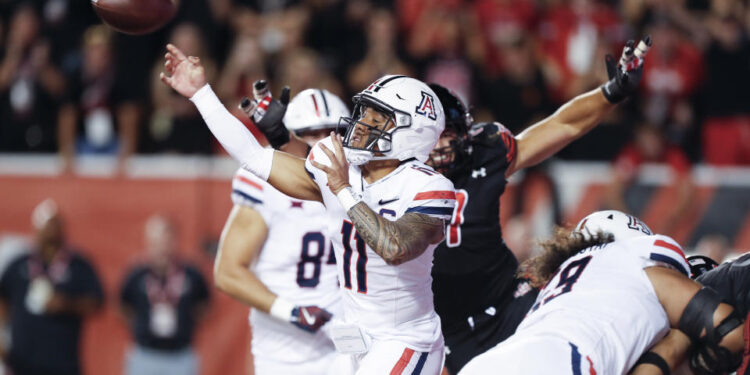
(388, 302)
(296, 262)
(602, 302)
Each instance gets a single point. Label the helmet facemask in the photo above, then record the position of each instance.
(452, 158)
(379, 136)
(448, 159)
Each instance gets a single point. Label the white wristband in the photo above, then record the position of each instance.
(282, 309)
(348, 198)
(206, 100)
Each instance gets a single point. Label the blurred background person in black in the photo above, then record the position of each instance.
(30, 86)
(175, 125)
(47, 293)
(93, 119)
(163, 300)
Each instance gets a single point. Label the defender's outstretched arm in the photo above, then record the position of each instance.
(576, 117)
(545, 138)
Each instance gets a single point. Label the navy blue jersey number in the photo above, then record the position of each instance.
(347, 229)
(318, 240)
(568, 277)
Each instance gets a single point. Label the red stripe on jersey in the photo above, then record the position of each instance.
(315, 103)
(667, 245)
(402, 362)
(250, 182)
(591, 366)
(512, 148)
(436, 194)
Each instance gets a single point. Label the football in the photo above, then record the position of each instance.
(135, 17)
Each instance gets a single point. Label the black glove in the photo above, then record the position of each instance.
(310, 318)
(268, 113)
(625, 75)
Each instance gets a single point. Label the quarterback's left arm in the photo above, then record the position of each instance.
(576, 117)
(395, 241)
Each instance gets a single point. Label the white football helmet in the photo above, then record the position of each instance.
(411, 106)
(314, 109)
(619, 224)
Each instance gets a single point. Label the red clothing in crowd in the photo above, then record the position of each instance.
(562, 23)
(630, 159)
(677, 74)
(500, 22)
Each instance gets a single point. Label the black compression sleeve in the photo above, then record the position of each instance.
(656, 360)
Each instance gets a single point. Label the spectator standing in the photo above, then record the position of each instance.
(48, 293)
(93, 120)
(175, 124)
(649, 146)
(30, 86)
(726, 128)
(382, 53)
(162, 301)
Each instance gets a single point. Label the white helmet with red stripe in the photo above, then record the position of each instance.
(314, 109)
(413, 109)
(619, 224)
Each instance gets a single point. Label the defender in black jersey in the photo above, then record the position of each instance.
(477, 294)
(731, 282)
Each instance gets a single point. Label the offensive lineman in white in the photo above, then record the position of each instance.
(613, 289)
(274, 250)
(386, 211)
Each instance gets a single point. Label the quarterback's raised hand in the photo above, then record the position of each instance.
(338, 172)
(185, 74)
(268, 113)
(625, 74)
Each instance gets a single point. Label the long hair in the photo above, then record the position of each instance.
(563, 245)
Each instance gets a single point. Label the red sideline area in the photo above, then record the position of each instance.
(104, 219)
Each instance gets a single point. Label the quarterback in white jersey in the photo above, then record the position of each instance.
(602, 307)
(275, 247)
(390, 302)
(396, 122)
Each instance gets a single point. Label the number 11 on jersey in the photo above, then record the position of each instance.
(347, 229)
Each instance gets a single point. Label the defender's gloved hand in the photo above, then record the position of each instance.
(267, 113)
(625, 75)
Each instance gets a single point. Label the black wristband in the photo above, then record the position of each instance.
(656, 360)
(279, 136)
(613, 92)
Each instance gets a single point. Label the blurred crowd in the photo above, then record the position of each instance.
(69, 84)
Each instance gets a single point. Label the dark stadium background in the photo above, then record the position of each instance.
(677, 155)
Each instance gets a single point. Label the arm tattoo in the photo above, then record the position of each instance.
(396, 241)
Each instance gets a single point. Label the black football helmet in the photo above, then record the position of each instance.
(700, 264)
(457, 121)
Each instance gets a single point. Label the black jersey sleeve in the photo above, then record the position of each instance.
(732, 282)
(495, 138)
